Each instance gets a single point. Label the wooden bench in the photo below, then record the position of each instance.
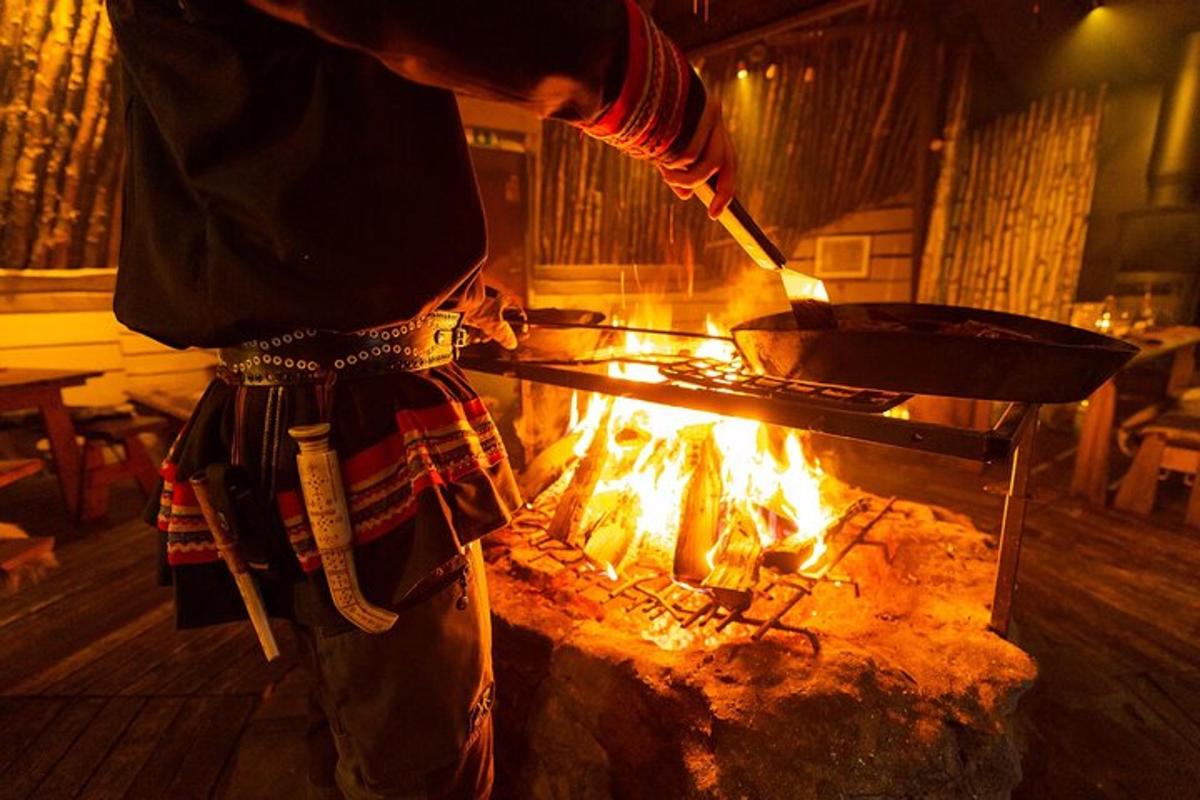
(1170, 442)
(19, 551)
(176, 406)
(14, 470)
(16, 553)
(135, 461)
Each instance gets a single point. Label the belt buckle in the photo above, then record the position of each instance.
(457, 336)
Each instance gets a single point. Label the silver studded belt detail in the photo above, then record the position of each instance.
(305, 356)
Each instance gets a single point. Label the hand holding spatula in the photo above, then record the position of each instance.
(806, 294)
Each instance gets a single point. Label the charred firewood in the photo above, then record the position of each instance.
(699, 515)
(550, 464)
(735, 564)
(790, 554)
(583, 484)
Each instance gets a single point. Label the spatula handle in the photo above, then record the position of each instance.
(745, 231)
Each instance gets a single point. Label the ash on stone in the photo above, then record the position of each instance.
(604, 692)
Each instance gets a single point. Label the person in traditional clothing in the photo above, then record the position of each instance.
(299, 195)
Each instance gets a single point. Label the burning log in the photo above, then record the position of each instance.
(699, 514)
(583, 484)
(792, 553)
(550, 464)
(735, 564)
(608, 545)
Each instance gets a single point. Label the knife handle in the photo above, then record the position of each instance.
(744, 230)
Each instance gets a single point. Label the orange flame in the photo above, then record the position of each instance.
(764, 471)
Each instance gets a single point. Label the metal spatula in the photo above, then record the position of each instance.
(805, 294)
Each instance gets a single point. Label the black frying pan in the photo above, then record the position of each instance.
(916, 349)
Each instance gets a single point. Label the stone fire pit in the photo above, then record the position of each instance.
(898, 692)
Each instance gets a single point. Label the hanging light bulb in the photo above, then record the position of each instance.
(742, 72)
(772, 71)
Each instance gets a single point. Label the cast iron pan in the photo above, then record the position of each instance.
(914, 353)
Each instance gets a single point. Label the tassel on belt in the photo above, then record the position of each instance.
(309, 356)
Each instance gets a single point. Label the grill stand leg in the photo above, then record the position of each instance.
(1012, 525)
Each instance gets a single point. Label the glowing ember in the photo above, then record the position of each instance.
(639, 502)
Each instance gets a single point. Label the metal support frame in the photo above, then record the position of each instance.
(1010, 439)
(987, 446)
(1012, 524)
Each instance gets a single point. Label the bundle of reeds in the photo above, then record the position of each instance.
(60, 149)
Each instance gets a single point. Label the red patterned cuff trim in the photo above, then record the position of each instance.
(647, 117)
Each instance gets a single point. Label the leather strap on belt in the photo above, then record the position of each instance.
(307, 356)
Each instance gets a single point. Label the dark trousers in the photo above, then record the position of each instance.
(406, 714)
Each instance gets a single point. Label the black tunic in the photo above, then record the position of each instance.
(277, 180)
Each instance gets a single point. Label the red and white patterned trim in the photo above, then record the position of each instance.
(431, 447)
(647, 117)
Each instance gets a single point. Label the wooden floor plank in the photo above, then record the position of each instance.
(1108, 604)
(63, 675)
(115, 671)
(114, 776)
(190, 755)
(22, 719)
(26, 773)
(37, 643)
(191, 678)
(72, 772)
(251, 673)
(210, 751)
(1151, 693)
(1183, 691)
(1111, 627)
(194, 655)
(85, 565)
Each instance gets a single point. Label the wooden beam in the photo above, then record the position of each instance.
(790, 22)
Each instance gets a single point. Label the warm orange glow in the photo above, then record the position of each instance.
(764, 472)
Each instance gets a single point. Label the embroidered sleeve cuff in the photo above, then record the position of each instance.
(659, 97)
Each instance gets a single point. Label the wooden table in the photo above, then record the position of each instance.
(1090, 479)
(172, 405)
(42, 389)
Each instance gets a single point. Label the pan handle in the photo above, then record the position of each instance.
(744, 230)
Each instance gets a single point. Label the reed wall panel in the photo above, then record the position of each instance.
(61, 147)
(1011, 208)
(823, 126)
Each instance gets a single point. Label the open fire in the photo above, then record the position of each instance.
(676, 487)
(700, 499)
(689, 601)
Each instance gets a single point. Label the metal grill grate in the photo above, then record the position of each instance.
(650, 593)
(732, 376)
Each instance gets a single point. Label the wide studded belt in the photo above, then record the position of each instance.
(305, 356)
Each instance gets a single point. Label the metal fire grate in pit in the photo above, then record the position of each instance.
(649, 594)
(732, 376)
(1009, 440)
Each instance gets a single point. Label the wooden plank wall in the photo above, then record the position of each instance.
(752, 292)
(890, 276)
(64, 319)
(656, 295)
